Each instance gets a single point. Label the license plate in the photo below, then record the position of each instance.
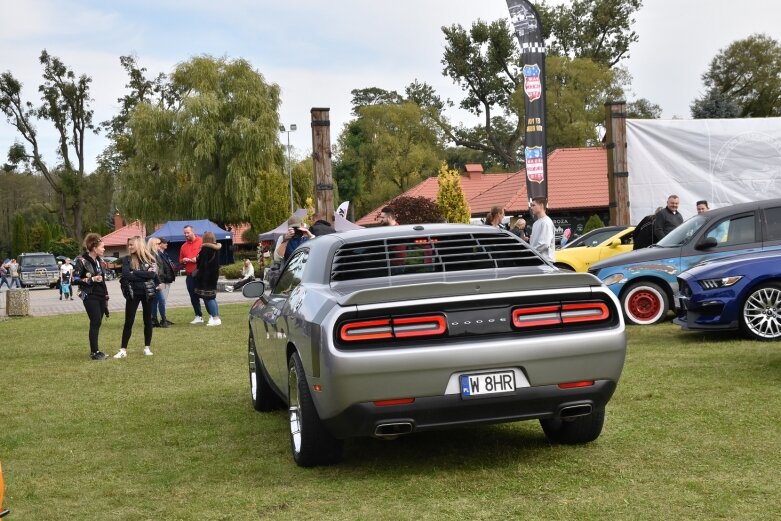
(487, 384)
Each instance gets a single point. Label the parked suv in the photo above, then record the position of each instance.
(38, 269)
(645, 280)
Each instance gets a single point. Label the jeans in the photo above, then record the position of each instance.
(158, 306)
(195, 300)
(211, 307)
(15, 280)
(4, 280)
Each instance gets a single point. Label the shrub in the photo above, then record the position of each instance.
(593, 223)
(415, 210)
(233, 271)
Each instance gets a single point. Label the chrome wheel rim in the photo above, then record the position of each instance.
(295, 410)
(762, 313)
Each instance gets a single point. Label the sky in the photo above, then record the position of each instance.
(318, 51)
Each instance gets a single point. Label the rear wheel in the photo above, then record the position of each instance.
(263, 396)
(312, 444)
(573, 431)
(760, 316)
(645, 303)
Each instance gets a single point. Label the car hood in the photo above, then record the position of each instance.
(652, 253)
(715, 267)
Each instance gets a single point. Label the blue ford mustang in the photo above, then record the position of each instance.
(741, 292)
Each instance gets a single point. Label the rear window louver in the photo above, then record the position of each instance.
(430, 254)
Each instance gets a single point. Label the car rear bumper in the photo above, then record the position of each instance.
(439, 412)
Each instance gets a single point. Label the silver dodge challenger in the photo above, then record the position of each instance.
(395, 330)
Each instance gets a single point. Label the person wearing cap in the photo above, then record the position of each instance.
(166, 272)
(297, 233)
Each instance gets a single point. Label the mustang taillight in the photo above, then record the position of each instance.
(551, 315)
(387, 328)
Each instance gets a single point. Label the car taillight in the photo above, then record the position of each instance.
(385, 329)
(552, 315)
(575, 385)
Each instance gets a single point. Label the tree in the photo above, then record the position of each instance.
(373, 96)
(20, 238)
(209, 152)
(386, 150)
(600, 30)
(593, 223)
(264, 212)
(451, 200)
(643, 109)
(415, 210)
(747, 72)
(485, 63)
(66, 105)
(714, 105)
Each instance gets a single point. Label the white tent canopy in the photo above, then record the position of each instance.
(724, 161)
(340, 225)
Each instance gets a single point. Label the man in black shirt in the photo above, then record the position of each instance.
(667, 219)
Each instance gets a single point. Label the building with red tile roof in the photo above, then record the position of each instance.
(116, 241)
(577, 184)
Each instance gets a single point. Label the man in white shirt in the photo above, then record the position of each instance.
(543, 238)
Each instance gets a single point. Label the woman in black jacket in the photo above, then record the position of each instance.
(139, 284)
(208, 271)
(88, 276)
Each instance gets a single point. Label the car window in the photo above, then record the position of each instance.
(683, 233)
(292, 274)
(734, 230)
(592, 238)
(628, 238)
(773, 223)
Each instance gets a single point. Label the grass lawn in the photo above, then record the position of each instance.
(693, 432)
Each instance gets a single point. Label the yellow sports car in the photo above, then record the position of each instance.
(594, 246)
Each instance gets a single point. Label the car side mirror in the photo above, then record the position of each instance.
(707, 243)
(254, 289)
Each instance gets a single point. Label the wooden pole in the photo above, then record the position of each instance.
(617, 168)
(321, 156)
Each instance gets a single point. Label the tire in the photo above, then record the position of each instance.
(311, 443)
(263, 397)
(760, 314)
(645, 303)
(581, 429)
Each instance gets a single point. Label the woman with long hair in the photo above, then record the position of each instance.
(139, 285)
(206, 276)
(495, 216)
(88, 276)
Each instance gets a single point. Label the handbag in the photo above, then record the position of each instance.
(127, 289)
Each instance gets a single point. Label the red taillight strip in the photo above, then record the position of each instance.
(573, 385)
(419, 326)
(560, 314)
(384, 329)
(366, 330)
(536, 316)
(586, 312)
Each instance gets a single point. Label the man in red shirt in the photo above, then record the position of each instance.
(187, 258)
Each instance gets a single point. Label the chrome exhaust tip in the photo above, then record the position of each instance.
(573, 411)
(392, 430)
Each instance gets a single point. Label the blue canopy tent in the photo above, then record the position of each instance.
(174, 232)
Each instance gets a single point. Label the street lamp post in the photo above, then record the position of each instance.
(289, 172)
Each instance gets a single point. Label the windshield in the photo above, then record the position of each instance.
(37, 260)
(683, 233)
(593, 238)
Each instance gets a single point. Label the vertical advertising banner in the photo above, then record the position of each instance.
(529, 32)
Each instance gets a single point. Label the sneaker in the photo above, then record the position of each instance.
(168, 322)
(155, 323)
(97, 355)
(147, 352)
(163, 324)
(122, 353)
(214, 321)
(229, 289)
(197, 320)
